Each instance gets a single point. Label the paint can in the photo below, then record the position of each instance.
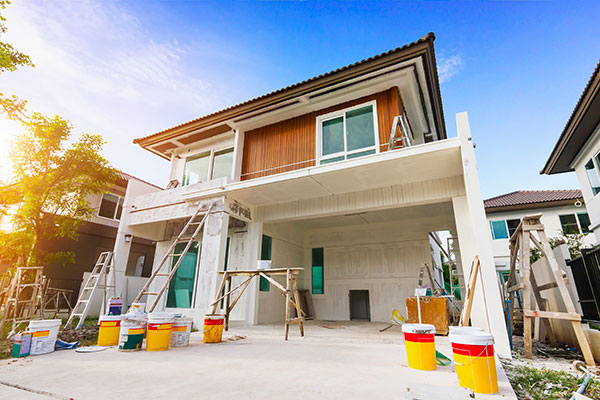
(213, 328)
(137, 308)
(108, 334)
(44, 333)
(115, 305)
(180, 335)
(21, 344)
(160, 325)
(420, 346)
(131, 334)
(474, 360)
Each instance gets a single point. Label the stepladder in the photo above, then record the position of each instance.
(170, 262)
(531, 232)
(405, 139)
(24, 297)
(102, 276)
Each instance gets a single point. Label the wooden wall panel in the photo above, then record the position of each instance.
(291, 144)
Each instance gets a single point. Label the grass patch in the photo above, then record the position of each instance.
(543, 384)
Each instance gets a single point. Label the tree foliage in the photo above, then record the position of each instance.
(10, 60)
(53, 179)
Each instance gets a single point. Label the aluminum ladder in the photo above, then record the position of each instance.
(406, 136)
(102, 269)
(17, 308)
(170, 254)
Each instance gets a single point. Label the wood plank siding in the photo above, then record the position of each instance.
(291, 144)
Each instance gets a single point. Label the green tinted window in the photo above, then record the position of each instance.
(181, 287)
(499, 230)
(569, 224)
(593, 177)
(317, 271)
(265, 254)
(333, 136)
(584, 222)
(359, 128)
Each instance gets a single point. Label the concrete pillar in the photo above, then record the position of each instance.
(475, 238)
(238, 151)
(212, 259)
(253, 243)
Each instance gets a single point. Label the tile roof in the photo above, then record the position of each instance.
(126, 177)
(521, 197)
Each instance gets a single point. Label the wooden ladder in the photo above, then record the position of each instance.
(520, 243)
(102, 269)
(18, 309)
(170, 254)
(406, 136)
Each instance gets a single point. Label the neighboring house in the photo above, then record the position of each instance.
(94, 237)
(304, 176)
(578, 148)
(563, 212)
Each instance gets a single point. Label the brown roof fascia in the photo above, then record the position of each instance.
(530, 206)
(422, 47)
(587, 96)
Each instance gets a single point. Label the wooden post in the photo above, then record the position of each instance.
(465, 315)
(525, 272)
(227, 302)
(287, 304)
(297, 304)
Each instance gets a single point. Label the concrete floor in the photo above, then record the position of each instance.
(334, 361)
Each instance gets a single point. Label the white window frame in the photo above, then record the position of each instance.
(342, 113)
(120, 200)
(596, 168)
(581, 232)
(211, 162)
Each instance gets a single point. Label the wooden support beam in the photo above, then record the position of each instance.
(277, 285)
(547, 286)
(552, 314)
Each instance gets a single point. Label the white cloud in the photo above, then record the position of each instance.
(448, 67)
(98, 66)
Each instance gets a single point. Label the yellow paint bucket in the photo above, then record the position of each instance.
(159, 331)
(108, 334)
(213, 328)
(420, 346)
(474, 360)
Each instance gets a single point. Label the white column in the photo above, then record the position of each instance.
(238, 151)
(212, 260)
(254, 242)
(476, 238)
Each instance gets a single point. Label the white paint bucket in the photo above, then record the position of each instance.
(137, 308)
(180, 335)
(464, 330)
(43, 335)
(131, 334)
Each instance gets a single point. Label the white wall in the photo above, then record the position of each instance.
(591, 149)
(550, 219)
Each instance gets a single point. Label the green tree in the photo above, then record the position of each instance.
(53, 178)
(10, 60)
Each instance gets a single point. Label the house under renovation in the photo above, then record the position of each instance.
(307, 176)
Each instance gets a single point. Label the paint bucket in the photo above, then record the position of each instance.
(21, 344)
(464, 329)
(420, 346)
(43, 335)
(213, 328)
(115, 305)
(131, 334)
(108, 334)
(474, 361)
(180, 335)
(160, 325)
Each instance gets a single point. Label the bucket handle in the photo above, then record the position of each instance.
(473, 360)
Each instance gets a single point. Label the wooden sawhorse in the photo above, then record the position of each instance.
(289, 291)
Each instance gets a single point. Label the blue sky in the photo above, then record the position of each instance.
(128, 69)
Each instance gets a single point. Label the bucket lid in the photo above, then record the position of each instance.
(37, 323)
(182, 318)
(110, 318)
(465, 329)
(214, 316)
(158, 317)
(476, 338)
(418, 328)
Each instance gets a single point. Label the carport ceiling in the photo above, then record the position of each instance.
(374, 217)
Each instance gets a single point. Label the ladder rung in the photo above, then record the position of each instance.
(162, 274)
(175, 254)
(150, 293)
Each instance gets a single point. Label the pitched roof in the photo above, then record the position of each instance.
(417, 48)
(126, 177)
(579, 127)
(522, 197)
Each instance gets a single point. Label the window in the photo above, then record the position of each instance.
(265, 254)
(111, 206)
(593, 177)
(499, 230)
(208, 165)
(317, 271)
(584, 222)
(569, 224)
(512, 226)
(347, 134)
(181, 287)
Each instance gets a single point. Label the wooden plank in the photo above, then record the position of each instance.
(227, 301)
(239, 295)
(287, 305)
(221, 286)
(541, 303)
(299, 313)
(273, 271)
(468, 304)
(232, 290)
(547, 286)
(277, 285)
(552, 314)
(524, 272)
(518, 286)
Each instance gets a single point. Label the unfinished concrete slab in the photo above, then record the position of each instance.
(349, 360)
